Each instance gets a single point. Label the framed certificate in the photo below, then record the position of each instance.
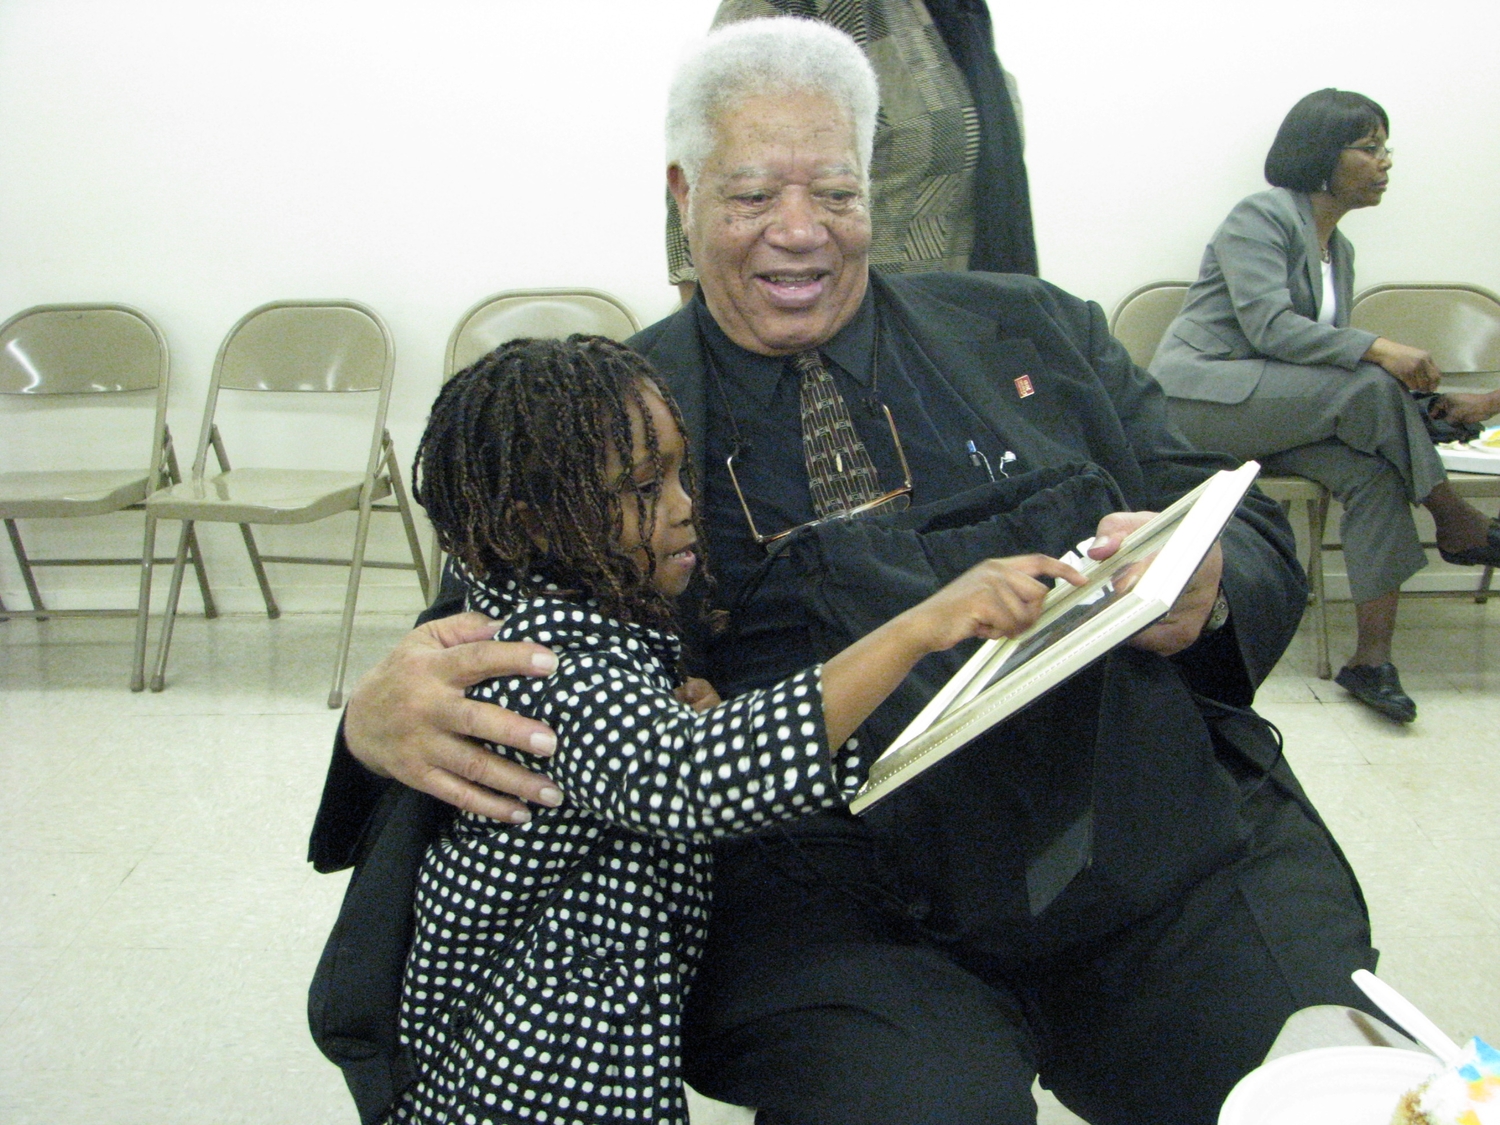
(1123, 594)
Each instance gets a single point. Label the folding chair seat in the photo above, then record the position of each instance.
(301, 348)
(1139, 322)
(68, 371)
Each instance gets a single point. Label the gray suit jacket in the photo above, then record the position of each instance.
(1256, 299)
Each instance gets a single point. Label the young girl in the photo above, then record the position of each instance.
(550, 959)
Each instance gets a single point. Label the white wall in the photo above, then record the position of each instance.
(196, 159)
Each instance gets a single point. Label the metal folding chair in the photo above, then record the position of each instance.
(59, 366)
(1141, 319)
(552, 313)
(1460, 326)
(303, 347)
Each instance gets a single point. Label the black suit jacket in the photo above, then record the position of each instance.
(1165, 805)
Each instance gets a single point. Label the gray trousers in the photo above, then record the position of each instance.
(1358, 433)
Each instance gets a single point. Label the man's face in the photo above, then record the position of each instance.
(778, 223)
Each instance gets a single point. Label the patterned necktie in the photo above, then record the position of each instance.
(840, 474)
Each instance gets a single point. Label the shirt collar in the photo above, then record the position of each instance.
(755, 377)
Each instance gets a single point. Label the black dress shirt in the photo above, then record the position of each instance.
(753, 402)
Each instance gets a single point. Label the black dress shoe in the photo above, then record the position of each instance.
(1378, 686)
(1486, 555)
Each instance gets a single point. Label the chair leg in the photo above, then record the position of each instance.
(26, 574)
(1482, 595)
(143, 609)
(174, 474)
(169, 618)
(1317, 520)
(195, 554)
(403, 504)
(273, 611)
(351, 595)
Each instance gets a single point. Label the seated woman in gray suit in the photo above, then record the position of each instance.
(1261, 363)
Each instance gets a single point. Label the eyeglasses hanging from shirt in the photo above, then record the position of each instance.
(842, 480)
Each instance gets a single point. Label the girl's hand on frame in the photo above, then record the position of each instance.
(996, 598)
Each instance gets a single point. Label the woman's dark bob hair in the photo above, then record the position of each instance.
(1307, 145)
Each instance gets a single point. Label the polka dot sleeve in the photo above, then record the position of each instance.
(631, 754)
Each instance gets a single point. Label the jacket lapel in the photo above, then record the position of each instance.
(1312, 253)
(1343, 277)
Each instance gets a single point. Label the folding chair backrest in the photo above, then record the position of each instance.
(303, 346)
(79, 349)
(536, 312)
(1458, 324)
(306, 346)
(1141, 319)
(85, 350)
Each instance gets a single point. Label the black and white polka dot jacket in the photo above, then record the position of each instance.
(550, 959)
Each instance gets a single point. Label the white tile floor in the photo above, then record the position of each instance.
(158, 924)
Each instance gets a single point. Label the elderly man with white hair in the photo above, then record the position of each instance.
(900, 967)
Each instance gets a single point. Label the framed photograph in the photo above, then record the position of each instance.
(1123, 594)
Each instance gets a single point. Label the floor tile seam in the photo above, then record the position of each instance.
(45, 978)
(74, 941)
(10, 1014)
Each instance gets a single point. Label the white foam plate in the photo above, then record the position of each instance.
(1328, 1086)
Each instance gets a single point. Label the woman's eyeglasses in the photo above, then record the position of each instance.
(1373, 151)
(897, 500)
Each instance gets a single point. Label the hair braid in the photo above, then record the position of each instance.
(512, 468)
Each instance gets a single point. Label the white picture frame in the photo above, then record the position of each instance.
(1078, 625)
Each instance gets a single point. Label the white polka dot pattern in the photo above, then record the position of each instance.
(550, 959)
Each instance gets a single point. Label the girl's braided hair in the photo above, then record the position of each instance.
(526, 429)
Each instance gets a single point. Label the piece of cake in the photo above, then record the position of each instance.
(1466, 1093)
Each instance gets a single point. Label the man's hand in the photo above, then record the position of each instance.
(1185, 620)
(408, 718)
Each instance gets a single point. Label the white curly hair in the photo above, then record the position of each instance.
(762, 56)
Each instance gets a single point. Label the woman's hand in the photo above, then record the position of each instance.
(1412, 366)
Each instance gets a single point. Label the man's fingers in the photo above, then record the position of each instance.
(460, 629)
(1048, 567)
(1112, 531)
(477, 780)
(475, 799)
(492, 772)
(490, 722)
(473, 662)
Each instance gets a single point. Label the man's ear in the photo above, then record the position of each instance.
(677, 184)
(531, 525)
